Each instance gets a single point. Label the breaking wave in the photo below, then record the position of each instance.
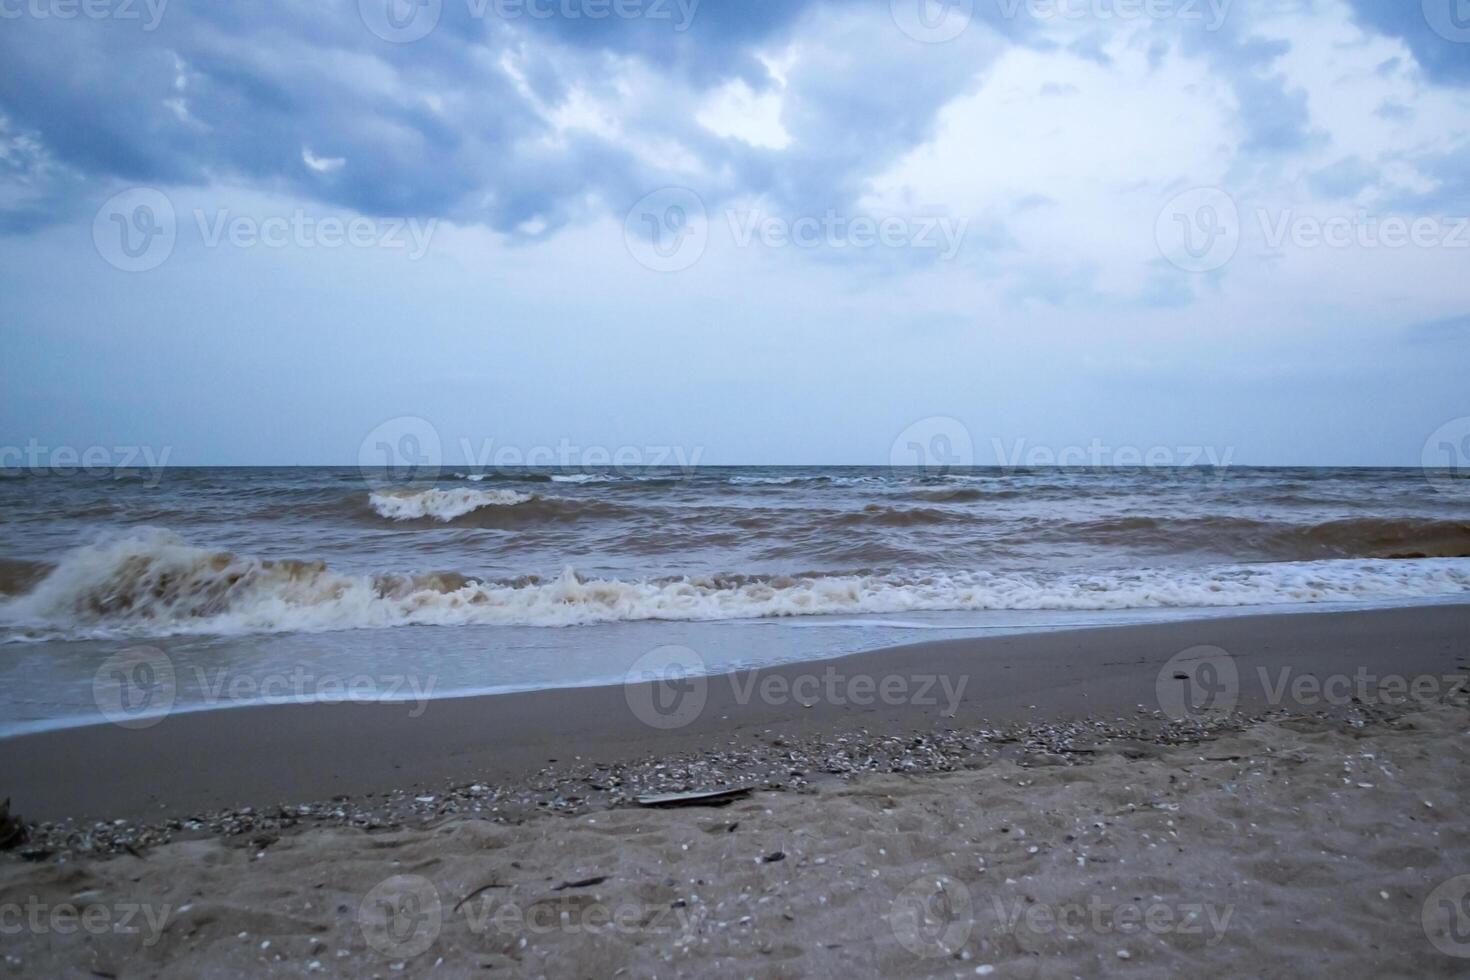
(154, 583)
(441, 505)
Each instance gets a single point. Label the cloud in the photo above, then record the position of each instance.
(1442, 58)
(513, 122)
(1343, 179)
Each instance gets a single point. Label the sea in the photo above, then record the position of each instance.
(267, 584)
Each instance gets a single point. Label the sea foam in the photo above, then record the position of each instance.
(155, 583)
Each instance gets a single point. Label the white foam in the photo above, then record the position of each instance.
(155, 584)
(753, 481)
(442, 505)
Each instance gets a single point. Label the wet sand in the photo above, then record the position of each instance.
(292, 753)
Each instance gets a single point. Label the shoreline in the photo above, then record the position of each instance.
(266, 755)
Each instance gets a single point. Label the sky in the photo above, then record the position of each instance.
(761, 231)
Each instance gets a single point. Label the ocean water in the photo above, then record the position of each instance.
(514, 579)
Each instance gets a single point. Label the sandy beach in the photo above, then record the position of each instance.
(1056, 822)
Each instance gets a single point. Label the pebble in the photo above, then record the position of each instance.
(773, 764)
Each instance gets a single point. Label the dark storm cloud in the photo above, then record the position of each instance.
(237, 92)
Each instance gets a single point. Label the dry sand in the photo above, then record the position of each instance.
(1294, 846)
(1312, 840)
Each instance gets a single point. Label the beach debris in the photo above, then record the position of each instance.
(583, 883)
(12, 829)
(774, 856)
(478, 891)
(722, 797)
